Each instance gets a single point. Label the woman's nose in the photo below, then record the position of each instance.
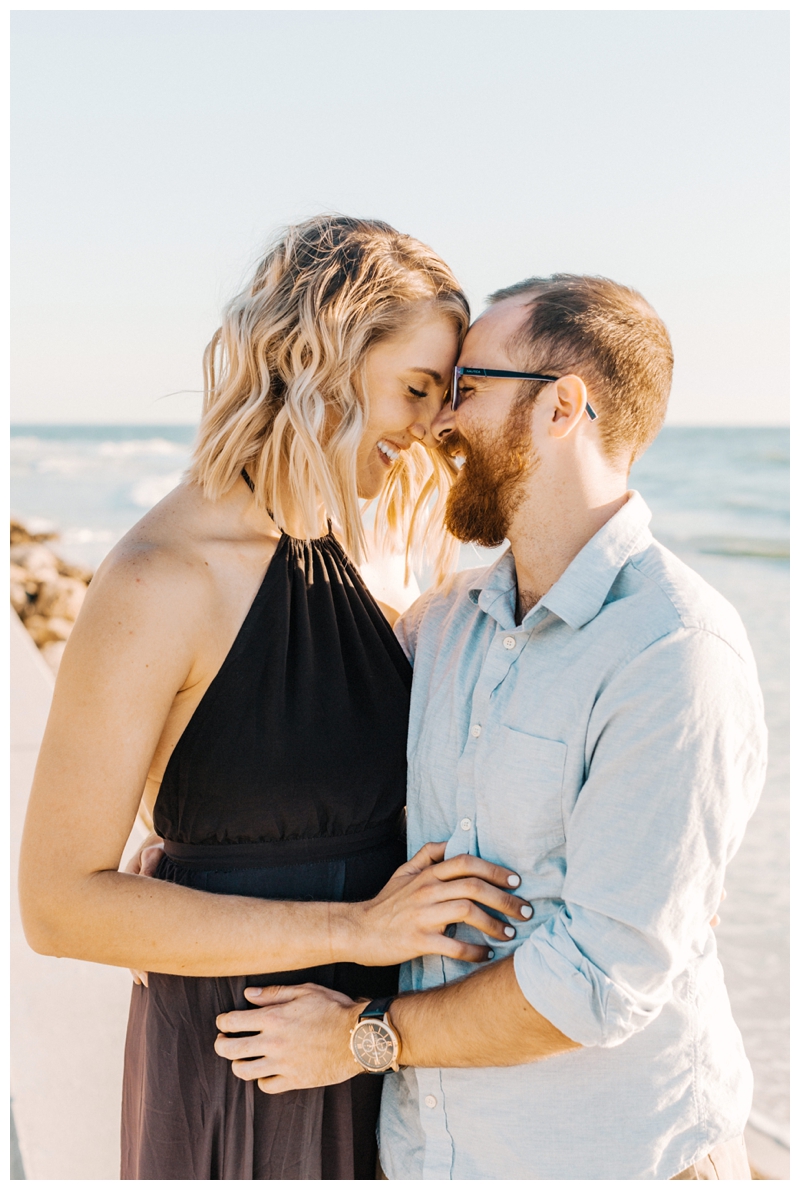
(427, 413)
(444, 422)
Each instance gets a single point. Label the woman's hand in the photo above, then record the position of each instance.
(410, 915)
(300, 1038)
(144, 863)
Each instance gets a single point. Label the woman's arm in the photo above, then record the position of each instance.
(133, 649)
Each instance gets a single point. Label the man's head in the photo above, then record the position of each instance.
(605, 344)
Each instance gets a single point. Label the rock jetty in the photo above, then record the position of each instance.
(46, 592)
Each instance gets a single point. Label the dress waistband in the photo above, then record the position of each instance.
(283, 852)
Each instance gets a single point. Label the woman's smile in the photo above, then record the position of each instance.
(388, 452)
(405, 387)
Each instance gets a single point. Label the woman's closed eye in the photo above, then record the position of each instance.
(416, 392)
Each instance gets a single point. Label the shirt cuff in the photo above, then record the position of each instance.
(569, 991)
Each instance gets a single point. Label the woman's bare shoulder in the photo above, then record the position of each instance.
(180, 580)
(162, 554)
(154, 588)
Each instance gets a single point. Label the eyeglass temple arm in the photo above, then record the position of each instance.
(503, 372)
(590, 413)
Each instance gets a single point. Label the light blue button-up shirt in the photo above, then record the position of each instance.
(610, 748)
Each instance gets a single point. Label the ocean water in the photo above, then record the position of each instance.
(720, 499)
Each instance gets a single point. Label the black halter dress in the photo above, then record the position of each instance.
(288, 783)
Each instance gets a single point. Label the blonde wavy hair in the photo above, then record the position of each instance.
(284, 387)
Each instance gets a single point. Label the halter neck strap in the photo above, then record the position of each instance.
(252, 488)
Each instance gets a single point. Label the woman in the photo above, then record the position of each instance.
(230, 662)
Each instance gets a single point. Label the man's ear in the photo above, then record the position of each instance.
(568, 404)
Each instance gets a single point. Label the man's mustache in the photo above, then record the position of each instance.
(454, 446)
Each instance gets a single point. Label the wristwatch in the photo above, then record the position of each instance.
(373, 1041)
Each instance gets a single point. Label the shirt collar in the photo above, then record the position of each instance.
(578, 595)
(495, 590)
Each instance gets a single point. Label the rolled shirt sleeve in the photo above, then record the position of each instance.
(675, 762)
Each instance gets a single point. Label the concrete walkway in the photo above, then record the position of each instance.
(67, 1017)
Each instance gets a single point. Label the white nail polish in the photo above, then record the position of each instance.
(513, 881)
(490, 955)
(526, 911)
(509, 931)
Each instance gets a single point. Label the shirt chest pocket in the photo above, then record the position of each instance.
(521, 814)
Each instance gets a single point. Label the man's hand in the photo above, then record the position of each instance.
(302, 1038)
(144, 863)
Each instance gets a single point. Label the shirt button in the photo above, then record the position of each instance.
(475, 730)
(430, 1101)
(509, 643)
(466, 823)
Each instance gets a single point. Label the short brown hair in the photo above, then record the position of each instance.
(610, 336)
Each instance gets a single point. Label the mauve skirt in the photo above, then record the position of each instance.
(184, 1114)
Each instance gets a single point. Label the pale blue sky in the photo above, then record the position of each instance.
(154, 152)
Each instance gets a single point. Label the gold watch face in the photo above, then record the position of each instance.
(374, 1045)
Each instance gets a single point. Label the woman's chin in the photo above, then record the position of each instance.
(370, 486)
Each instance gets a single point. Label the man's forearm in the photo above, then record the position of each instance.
(483, 1020)
(298, 1036)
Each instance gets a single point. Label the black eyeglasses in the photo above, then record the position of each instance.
(459, 372)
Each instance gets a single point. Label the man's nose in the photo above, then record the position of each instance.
(444, 423)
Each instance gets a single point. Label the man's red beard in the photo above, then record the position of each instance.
(490, 485)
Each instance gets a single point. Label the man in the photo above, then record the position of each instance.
(587, 712)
